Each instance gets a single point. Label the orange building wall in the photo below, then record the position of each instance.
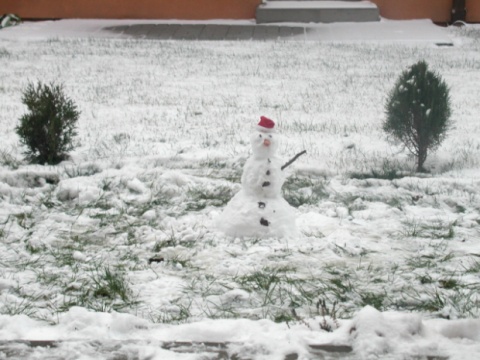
(131, 9)
(473, 10)
(437, 10)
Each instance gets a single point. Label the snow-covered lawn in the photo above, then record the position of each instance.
(127, 225)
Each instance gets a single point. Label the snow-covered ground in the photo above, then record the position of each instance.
(118, 243)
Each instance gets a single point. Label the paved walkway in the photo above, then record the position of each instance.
(385, 31)
(129, 349)
(208, 32)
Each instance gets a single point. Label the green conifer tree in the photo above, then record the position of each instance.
(49, 127)
(418, 111)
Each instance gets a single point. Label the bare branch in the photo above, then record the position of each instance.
(293, 159)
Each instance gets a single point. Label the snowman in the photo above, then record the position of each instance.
(258, 209)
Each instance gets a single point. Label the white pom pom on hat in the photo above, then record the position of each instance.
(266, 125)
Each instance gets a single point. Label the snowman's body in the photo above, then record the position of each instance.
(258, 209)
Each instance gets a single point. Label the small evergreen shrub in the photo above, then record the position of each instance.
(9, 20)
(418, 111)
(48, 129)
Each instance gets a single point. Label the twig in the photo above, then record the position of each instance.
(293, 159)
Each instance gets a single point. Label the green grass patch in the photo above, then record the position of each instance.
(199, 198)
(301, 190)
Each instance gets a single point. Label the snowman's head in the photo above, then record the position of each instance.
(264, 144)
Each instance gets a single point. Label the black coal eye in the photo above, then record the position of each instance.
(259, 135)
(270, 136)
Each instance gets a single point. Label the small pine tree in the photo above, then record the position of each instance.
(418, 111)
(49, 127)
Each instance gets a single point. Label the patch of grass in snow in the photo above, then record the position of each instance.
(375, 300)
(159, 197)
(63, 256)
(187, 238)
(111, 285)
(437, 229)
(434, 303)
(464, 156)
(434, 298)
(201, 197)
(353, 202)
(220, 169)
(431, 257)
(441, 230)
(48, 276)
(19, 307)
(98, 289)
(265, 279)
(277, 291)
(205, 295)
(179, 261)
(473, 266)
(47, 199)
(301, 190)
(425, 279)
(67, 280)
(177, 312)
(213, 164)
(8, 160)
(73, 171)
(339, 285)
(285, 316)
(3, 225)
(384, 169)
(4, 53)
(411, 228)
(24, 219)
(449, 283)
(384, 174)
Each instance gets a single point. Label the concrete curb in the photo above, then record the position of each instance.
(117, 349)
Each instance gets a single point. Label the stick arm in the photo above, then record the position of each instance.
(293, 159)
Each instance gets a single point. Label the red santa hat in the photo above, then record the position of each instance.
(265, 124)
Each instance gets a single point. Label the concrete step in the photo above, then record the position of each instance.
(315, 0)
(317, 11)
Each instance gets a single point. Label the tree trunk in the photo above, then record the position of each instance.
(422, 156)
